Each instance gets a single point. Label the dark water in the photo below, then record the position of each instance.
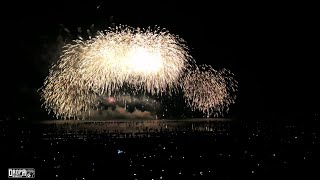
(175, 149)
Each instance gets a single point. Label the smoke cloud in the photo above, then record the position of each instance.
(121, 113)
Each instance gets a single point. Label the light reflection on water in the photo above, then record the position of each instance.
(138, 125)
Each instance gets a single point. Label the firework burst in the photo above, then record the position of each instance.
(209, 90)
(150, 60)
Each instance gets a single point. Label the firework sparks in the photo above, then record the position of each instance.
(209, 90)
(142, 59)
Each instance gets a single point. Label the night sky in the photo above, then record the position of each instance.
(272, 55)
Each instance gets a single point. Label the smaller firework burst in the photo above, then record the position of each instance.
(209, 90)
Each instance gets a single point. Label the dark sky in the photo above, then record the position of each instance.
(272, 55)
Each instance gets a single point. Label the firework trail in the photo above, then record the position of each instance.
(148, 60)
(209, 90)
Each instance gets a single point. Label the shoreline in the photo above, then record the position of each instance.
(136, 120)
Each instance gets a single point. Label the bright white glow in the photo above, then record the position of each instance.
(142, 60)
